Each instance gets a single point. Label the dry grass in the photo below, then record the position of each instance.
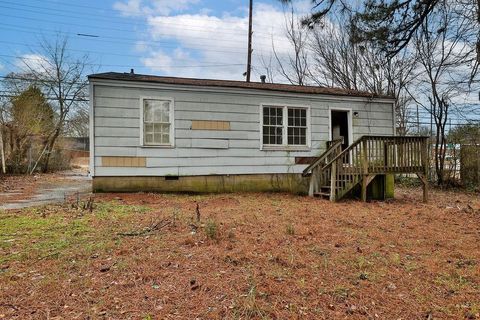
(251, 256)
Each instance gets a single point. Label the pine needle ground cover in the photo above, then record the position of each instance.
(243, 256)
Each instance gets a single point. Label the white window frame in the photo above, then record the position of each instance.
(171, 143)
(285, 146)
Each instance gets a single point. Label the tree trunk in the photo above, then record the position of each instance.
(2, 152)
(49, 149)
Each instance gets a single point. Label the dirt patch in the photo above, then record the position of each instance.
(19, 191)
(279, 256)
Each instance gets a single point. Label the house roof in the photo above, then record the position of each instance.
(234, 84)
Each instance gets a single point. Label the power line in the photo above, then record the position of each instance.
(168, 45)
(106, 53)
(71, 5)
(196, 45)
(135, 66)
(104, 20)
(109, 18)
(135, 40)
(180, 26)
(107, 28)
(37, 80)
(48, 98)
(164, 44)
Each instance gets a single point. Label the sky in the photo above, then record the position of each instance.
(185, 38)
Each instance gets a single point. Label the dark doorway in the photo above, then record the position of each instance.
(339, 126)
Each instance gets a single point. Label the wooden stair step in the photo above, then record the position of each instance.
(322, 194)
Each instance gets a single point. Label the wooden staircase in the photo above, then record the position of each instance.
(336, 172)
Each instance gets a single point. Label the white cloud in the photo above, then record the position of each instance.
(161, 61)
(141, 46)
(2, 67)
(32, 62)
(133, 8)
(204, 39)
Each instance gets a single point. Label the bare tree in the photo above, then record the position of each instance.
(77, 124)
(268, 68)
(62, 78)
(444, 57)
(339, 62)
(294, 67)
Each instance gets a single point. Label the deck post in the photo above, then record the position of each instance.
(425, 162)
(333, 182)
(364, 170)
(424, 180)
(364, 188)
(313, 179)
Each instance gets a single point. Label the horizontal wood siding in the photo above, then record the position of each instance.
(231, 146)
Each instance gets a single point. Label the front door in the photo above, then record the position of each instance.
(339, 126)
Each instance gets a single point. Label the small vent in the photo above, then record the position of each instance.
(171, 178)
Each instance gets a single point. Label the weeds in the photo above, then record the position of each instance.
(341, 293)
(290, 230)
(249, 307)
(211, 229)
(395, 259)
(453, 281)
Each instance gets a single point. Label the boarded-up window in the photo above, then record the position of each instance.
(157, 122)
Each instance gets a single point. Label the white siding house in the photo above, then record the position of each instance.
(150, 133)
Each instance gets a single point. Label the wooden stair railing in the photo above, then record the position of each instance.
(319, 177)
(364, 159)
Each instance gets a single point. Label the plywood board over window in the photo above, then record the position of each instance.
(210, 125)
(124, 162)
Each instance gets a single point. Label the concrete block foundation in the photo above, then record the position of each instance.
(294, 183)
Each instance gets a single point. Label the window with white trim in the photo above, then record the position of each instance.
(285, 126)
(273, 125)
(297, 126)
(157, 122)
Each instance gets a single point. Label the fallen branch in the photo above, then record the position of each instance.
(157, 226)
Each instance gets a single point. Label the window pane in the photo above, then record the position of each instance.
(149, 128)
(266, 139)
(165, 128)
(148, 111)
(280, 120)
(266, 119)
(278, 135)
(161, 110)
(303, 118)
(303, 140)
(165, 138)
(297, 136)
(148, 138)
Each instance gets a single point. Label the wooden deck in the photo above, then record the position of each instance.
(336, 172)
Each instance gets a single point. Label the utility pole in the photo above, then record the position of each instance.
(250, 33)
(2, 152)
